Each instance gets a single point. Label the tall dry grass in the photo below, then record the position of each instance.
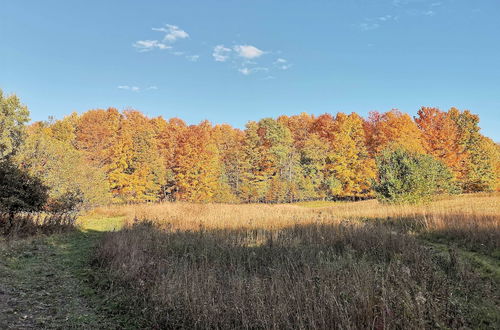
(472, 219)
(30, 224)
(190, 216)
(351, 265)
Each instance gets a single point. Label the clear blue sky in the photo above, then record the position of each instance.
(234, 61)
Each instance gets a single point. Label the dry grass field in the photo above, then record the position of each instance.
(311, 265)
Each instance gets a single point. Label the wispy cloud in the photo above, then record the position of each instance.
(386, 18)
(249, 59)
(148, 45)
(367, 26)
(172, 33)
(129, 88)
(418, 7)
(402, 9)
(193, 58)
(376, 22)
(248, 51)
(245, 58)
(136, 88)
(221, 53)
(247, 71)
(282, 64)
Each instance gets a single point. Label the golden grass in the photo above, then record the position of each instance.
(349, 265)
(189, 216)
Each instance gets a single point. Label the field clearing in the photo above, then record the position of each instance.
(190, 216)
(344, 265)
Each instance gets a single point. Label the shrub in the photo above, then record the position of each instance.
(408, 177)
(19, 191)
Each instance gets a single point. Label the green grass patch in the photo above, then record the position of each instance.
(100, 224)
(45, 281)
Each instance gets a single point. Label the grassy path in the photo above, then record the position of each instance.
(487, 266)
(43, 280)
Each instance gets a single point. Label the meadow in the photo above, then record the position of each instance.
(309, 265)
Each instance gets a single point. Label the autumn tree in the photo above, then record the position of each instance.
(392, 128)
(168, 135)
(198, 168)
(349, 169)
(136, 172)
(309, 156)
(272, 162)
(65, 129)
(314, 183)
(476, 170)
(229, 141)
(441, 136)
(256, 171)
(290, 158)
(13, 116)
(125, 147)
(71, 181)
(97, 135)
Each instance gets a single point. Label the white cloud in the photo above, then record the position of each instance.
(245, 71)
(385, 18)
(129, 88)
(246, 59)
(248, 51)
(148, 45)
(172, 33)
(418, 7)
(136, 88)
(376, 22)
(367, 26)
(282, 64)
(193, 58)
(221, 53)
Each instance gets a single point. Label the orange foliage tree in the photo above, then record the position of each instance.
(290, 158)
(392, 129)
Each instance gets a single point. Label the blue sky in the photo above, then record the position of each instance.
(234, 61)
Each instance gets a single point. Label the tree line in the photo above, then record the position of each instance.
(107, 155)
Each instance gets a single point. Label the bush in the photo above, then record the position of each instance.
(19, 191)
(408, 177)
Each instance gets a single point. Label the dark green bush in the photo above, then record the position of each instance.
(407, 177)
(19, 191)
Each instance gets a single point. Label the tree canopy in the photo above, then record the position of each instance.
(107, 155)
